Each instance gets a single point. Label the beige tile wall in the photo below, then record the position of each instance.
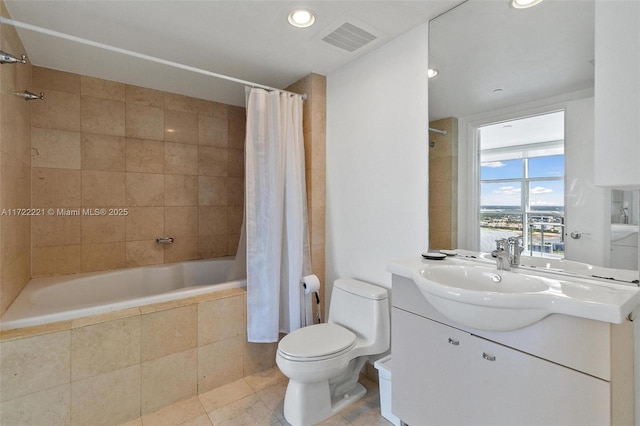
(116, 367)
(174, 164)
(314, 123)
(15, 162)
(443, 185)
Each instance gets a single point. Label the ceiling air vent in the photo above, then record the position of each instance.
(349, 37)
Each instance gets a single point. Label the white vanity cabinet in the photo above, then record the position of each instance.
(445, 374)
(624, 252)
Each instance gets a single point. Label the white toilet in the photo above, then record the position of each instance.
(323, 361)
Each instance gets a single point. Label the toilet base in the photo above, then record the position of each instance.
(310, 403)
(349, 398)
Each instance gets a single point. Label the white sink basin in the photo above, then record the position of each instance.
(557, 264)
(568, 266)
(480, 280)
(620, 231)
(549, 263)
(479, 296)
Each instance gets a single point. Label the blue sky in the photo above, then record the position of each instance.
(541, 193)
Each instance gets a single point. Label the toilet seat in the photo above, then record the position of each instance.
(317, 342)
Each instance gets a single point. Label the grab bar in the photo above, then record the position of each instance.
(164, 240)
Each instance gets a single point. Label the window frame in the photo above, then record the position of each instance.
(469, 164)
(525, 181)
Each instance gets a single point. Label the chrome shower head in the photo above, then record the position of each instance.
(28, 96)
(7, 58)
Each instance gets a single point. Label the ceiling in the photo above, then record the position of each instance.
(523, 131)
(248, 40)
(478, 47)
(490, 55)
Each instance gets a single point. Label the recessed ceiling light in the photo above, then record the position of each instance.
(432, 73)
(523, 4)
(302, 18)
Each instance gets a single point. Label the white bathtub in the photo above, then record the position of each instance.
(51, 299)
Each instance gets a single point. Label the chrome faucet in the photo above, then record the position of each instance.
(507, 253)
(502, 260)
(515, 249)
(624, 214)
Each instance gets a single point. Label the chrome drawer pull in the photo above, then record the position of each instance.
(454, 342)
(488, 357)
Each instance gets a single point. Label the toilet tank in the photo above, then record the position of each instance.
(362, 308)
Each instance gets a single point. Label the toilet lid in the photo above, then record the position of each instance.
(316, 341)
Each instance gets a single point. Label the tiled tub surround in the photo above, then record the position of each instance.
(111, 368)
(15, 164)
(443, 185)
(175, 163)
(52, 299)
(314, 130)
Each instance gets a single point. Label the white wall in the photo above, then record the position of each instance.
(586, 206)
(617, 86)
(377, 160)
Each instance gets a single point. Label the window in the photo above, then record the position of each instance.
(522, 183)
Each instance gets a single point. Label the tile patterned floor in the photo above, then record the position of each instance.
(254, 401)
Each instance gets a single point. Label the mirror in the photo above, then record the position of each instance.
(490, 56)
(625, 217)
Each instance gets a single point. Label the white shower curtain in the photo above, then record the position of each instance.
(277, 248)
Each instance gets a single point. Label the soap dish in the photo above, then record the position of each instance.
(434, 256)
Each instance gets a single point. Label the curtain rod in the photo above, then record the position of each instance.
(139, 55)
(442, 132)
